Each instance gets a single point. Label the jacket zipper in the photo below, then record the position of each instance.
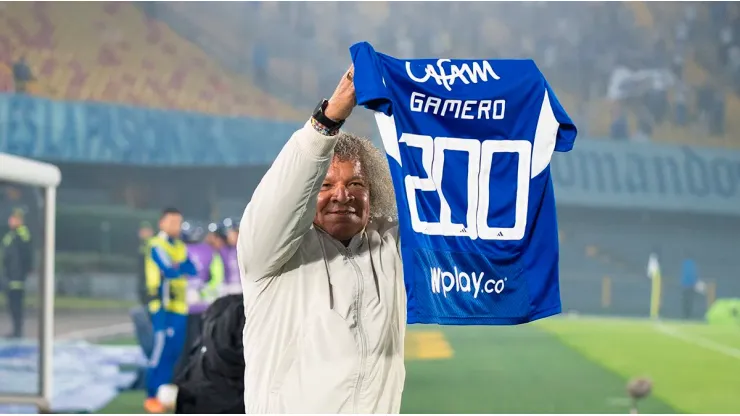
(360, 331)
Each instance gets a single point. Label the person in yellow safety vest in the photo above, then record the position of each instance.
(167, 268)
(17, 262)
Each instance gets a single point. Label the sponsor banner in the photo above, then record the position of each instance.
(597, 173)
(89, 132)
(612, 174)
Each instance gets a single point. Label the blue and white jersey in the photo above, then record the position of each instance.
(469, 144)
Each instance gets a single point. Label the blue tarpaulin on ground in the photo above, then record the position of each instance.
(86, 376)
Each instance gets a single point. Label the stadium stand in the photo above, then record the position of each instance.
(114, 52)
(665, 43)
(629, 73)
(682, 59)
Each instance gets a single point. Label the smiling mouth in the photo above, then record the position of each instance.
(342, 212)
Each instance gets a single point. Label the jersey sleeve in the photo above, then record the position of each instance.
(567, 130)
(370, 89)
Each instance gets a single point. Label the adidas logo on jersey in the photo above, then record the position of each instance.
(445, 282)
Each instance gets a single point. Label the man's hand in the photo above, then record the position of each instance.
(343, 100)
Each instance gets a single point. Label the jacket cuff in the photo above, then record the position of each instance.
(314, 143)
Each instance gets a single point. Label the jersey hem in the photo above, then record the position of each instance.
(483, 320)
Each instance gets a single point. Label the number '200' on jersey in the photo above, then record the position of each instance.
(469, 144)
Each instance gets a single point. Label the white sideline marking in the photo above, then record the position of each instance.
(699, 341)
(99, 332)
(664, 329)
(609, 318)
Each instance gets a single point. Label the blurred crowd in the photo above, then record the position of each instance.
(625, 70)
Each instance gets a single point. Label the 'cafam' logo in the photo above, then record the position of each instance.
(464, 73)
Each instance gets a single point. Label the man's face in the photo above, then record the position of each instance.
(343, 207)
(145, 233)
(171, 224)
(14, 222)
(232, 236)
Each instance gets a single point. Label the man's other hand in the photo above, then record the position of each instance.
(343, 101)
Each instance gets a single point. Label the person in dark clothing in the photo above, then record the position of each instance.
(17, 263)
(22, 75)
(210, 273)
(717, 113)
(145, 234)
(689, 280)
(140, 315)
(14, 197)
(213, 382)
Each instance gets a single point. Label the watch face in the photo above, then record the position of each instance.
(319, 108)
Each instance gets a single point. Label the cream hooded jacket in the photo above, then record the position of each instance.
(325, 324)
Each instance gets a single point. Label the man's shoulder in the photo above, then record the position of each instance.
(383, 225)
(386, 229)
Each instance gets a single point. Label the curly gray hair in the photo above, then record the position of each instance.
(375, 168)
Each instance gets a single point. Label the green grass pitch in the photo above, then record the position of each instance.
(563, 365)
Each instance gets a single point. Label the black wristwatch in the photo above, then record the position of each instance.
(318, 115)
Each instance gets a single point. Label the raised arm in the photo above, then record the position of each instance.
(284, 204)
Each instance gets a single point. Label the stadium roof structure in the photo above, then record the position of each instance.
(28, 171)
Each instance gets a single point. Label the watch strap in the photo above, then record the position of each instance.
(322, 129)
(323, 123)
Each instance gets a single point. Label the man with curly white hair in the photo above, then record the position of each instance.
(322, 277)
